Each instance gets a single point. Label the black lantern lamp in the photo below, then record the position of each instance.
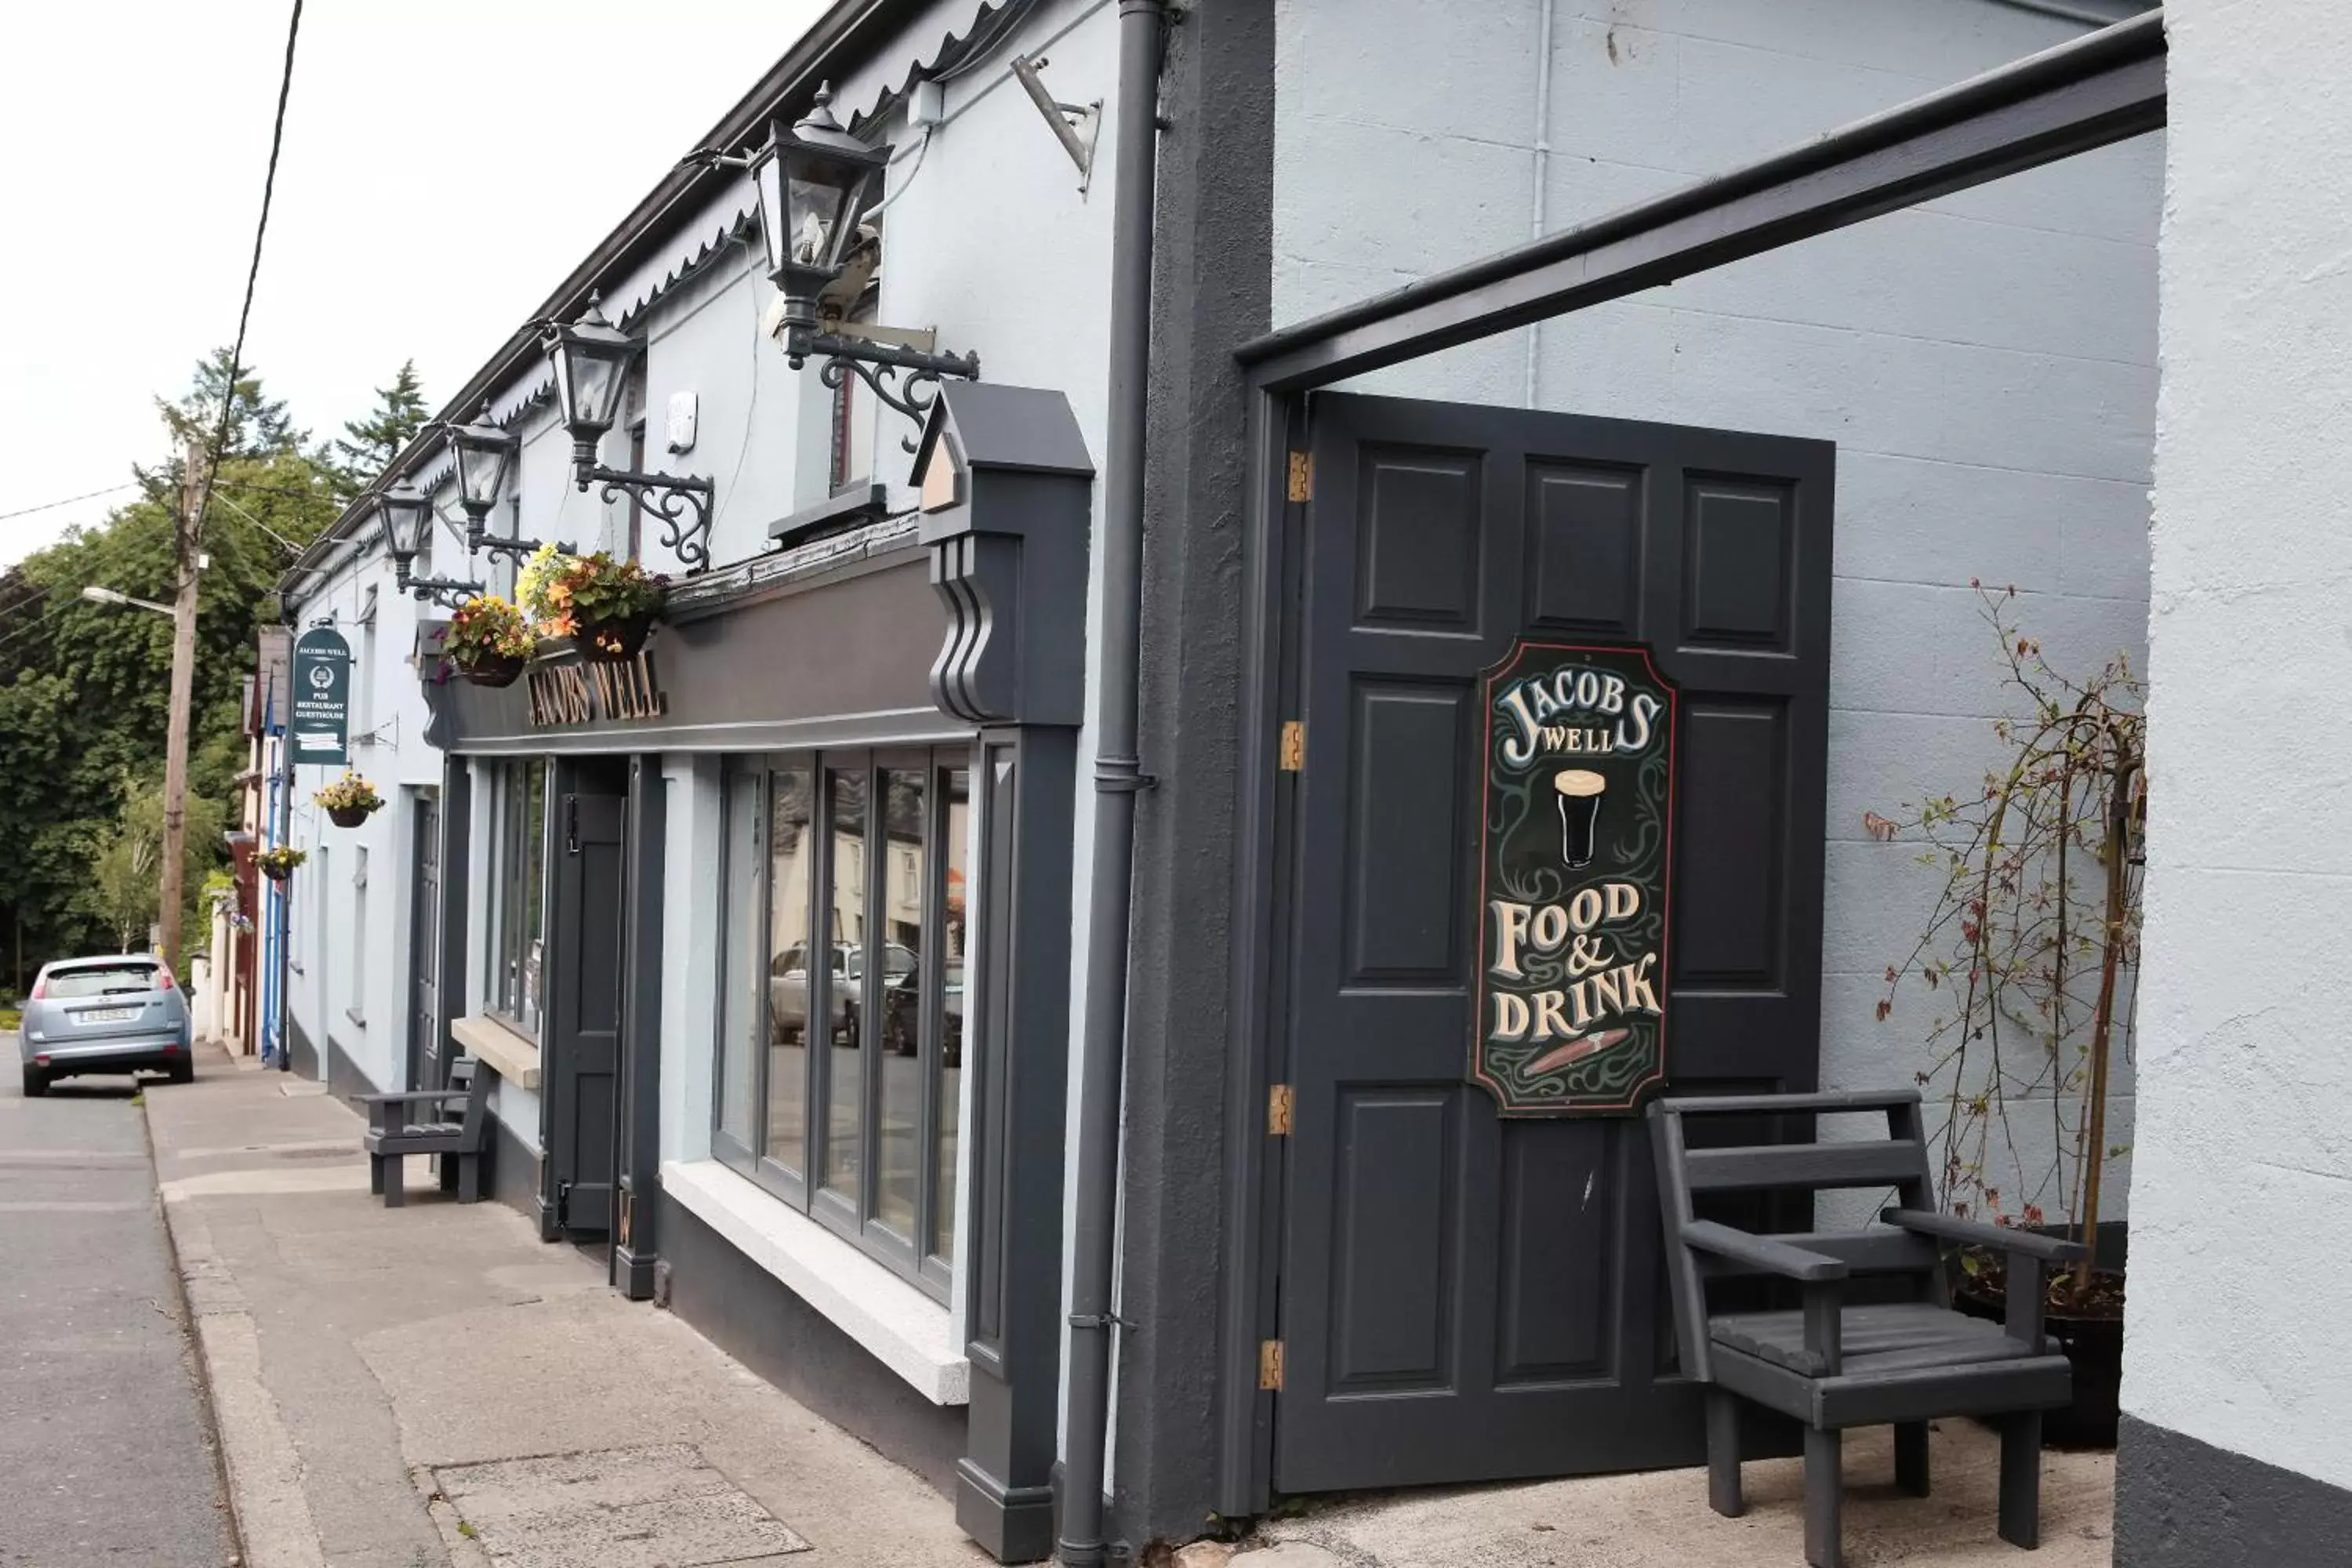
(816, 183)
(485, 455)
(404, 512)
(592, 360)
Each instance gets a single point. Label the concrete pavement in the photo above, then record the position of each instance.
(103, 1430)
(1661, 1520)
(413, 1387)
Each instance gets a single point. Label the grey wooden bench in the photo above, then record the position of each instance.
(396, 1130)
(1899, 1360)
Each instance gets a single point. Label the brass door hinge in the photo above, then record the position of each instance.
(1269, 1364)
(1294, 746)
(1302, 475)
(1278, 1102)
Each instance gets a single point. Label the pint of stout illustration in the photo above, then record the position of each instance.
(1580, 813)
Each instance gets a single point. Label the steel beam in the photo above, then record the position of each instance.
(2104, 88)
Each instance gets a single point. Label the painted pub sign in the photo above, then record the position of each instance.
(1576, 850)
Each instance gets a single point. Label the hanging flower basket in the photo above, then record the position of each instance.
(278, 864)
(607, 607)
(350, 800)
(613, 641)
(488, 640)
(493, 669)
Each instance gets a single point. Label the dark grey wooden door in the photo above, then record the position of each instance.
(425, 947)
(584, 1013)
(1463, 1297)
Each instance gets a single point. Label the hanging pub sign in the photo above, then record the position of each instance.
(319, 729)
(1575, 851)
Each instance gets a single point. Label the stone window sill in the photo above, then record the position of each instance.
(905, 1329)
(504, 1052)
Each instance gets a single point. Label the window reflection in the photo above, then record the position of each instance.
(846, 942)
(906, 874)
(739, 1010)
(788, 979)
(950, 1076)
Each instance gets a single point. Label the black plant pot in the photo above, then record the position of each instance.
(2095, 1346)
(276, 874)
(348, 815)
(492, 669)
(613, 641)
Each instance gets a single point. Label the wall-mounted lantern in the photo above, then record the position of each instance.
(592, 359)
(816, 183)
(485, 454)
(404, 512)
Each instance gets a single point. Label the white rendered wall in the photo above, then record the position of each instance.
(387, 733)
(2239, 1267)
(1985, 363)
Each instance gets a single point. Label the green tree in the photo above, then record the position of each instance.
(125, 878)
(368, 446)
(85, 688)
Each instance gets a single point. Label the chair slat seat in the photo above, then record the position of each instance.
(1898, 1335)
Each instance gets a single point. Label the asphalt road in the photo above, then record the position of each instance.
(103, 1441)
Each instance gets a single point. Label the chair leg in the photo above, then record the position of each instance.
(1723, 1453)
(375, 1175)
(448, 1173)
(2020, 1479)
(395, 1170)
(469, 1177)
(1823, 1483)
(1911, 1456)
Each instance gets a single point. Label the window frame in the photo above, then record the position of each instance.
(511, 867)
(852, 1210)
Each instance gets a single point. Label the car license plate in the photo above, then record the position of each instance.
(108, 1015)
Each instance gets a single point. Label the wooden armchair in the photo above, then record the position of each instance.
(392, 1135)
(1899, 1360)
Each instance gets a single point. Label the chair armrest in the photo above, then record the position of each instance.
(1761, 1252)
(2006, 1237)
(411, 1097)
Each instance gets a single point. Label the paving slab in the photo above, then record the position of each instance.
(429, 1386)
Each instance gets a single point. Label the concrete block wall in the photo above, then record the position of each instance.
(1986, 364)
(2238, 1368)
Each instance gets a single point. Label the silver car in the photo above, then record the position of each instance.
(117, 1015)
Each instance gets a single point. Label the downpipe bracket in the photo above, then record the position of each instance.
(1122, 775)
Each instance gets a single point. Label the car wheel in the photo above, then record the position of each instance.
(36, 1083)
(184, 1070)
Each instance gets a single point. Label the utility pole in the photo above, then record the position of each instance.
(184, 679)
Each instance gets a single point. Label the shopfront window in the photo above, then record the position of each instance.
(843, 989)
(519, 925)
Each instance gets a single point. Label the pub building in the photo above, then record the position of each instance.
(1111, 938)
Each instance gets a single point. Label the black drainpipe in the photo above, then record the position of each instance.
(1117, 775)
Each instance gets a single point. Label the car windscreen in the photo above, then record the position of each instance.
(100, 980)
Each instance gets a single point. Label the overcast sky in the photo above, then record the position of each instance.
(440, 176)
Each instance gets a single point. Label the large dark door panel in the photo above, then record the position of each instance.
(1464, 1298)
(584, 1013)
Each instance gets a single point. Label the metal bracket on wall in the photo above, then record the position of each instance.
(1078, 126)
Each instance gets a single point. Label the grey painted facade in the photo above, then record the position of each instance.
(1985, 366)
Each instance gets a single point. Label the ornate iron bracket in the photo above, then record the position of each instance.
(478, 539)
(666, 496)
(446, 591)
(875, 363)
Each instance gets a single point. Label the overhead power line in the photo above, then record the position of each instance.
(53, 505)
(253, 272)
